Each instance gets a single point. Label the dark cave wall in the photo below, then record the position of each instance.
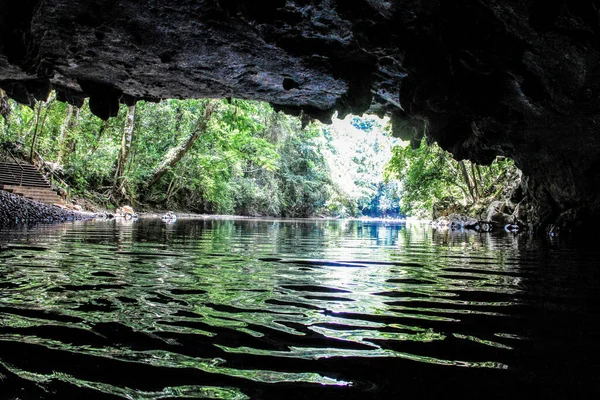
(517, 79)
(482, 78)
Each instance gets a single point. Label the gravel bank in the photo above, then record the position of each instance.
(17, 210)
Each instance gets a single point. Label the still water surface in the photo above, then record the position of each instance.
(236, 309)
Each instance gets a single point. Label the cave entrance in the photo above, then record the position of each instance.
(233, 156)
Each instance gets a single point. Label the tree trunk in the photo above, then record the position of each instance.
(99, 135)
(39, 122)
(458, 182)
(475, 183)
(126, 139)
(467, 179)
(176, 154)
(172, 189)
(4, 110)
(71, 139)
(482, 181)
(64, 129)
(35, 131)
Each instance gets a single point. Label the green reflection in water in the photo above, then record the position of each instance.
(171, 360)
(482, 341)
(256, 288)
(320, 353)
(188, 391)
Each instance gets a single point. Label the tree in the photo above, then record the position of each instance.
(357, 150)
(431, 179)
(66, 142)
(215, 156)
(39, 121)
(126, 139)
(4, 109)
(177, 153)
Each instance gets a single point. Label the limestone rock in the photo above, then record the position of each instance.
(482, 78)
(499, 214)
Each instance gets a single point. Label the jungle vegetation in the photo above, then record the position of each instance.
(232, 156)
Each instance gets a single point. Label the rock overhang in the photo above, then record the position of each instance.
(504, 77)
(293, 55)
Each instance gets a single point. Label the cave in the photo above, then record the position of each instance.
(483, 79)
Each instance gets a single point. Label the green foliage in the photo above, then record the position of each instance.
(91, 150)
(357, 152)
(432, 182)
(424, 175)
(249, 160)
(303, 174)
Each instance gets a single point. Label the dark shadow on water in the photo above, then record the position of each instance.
(293, 309)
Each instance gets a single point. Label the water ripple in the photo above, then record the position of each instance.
(298, 309)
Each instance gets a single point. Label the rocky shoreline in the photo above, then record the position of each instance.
(462, 222)
(17, 210)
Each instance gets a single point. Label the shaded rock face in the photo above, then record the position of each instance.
(483, 78)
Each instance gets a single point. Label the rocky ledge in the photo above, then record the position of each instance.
(517, 78)
(17, 210)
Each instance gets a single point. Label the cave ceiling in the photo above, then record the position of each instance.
(517, 78)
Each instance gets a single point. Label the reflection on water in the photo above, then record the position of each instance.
(291, 309)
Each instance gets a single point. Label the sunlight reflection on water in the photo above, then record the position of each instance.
(262, 308)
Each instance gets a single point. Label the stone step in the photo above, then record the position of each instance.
(16, 167)
(25, 190)
(22, 175)
(46, 200)
(50, 203)
(43, 195)
(13, 188)
(18, 170)
(40, 196)
(27, 169)
(17, 182)
(36, 192)
(23, 164)
(21, 187)
(17, 176)
(29, 184)
(30, 190)
(25, 181)
(43, 198)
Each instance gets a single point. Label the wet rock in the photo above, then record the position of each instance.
(512, 228)
(498, 214)
(520, 215)
(456, 222)
(17, 210)
(484, 226)
(553, 230)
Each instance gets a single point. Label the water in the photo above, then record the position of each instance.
(229, 309)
